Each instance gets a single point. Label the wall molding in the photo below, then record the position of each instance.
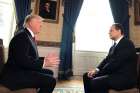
(48, 43)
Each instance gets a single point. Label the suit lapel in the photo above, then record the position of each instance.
(32, 41)
(119, 44)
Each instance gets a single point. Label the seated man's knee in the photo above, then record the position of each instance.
(85, 75)
(52, 81)
(47, 71)
(51, 72)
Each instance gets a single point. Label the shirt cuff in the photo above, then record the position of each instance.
(97, 69)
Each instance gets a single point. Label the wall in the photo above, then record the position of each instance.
(50, 32)
(83, 61)
(134, 29)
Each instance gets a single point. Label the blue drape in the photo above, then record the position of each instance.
(23, 8)
(71, 12)
(120, 13)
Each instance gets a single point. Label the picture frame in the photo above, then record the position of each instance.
(137, 12)
(48, 10)
(130, 3)
(32, 0)
(62, 2)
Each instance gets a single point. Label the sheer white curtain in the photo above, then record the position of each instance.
(7, 21)
(92, 28)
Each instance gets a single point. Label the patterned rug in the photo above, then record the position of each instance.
(69, 90)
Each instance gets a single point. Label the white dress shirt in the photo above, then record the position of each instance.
(31, 32)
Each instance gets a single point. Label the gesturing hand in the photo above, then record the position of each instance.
(51, 60)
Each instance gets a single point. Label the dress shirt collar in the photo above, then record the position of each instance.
(118, 40)
(32, 34)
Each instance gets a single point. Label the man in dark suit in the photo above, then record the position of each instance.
(24, 69)
(117, 70)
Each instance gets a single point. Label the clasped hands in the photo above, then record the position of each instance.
(92, 73)
(51, 60)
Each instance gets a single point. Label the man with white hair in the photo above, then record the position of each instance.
(24, 69)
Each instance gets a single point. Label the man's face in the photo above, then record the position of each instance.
(36, 25)
(114, 34)
(47, 5)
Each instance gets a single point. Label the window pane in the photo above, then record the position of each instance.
(93, 26)
(7, 20)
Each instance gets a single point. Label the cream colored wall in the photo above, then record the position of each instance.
(134, 29)
(51, 31)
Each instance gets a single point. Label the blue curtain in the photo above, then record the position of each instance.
(23, 8)
(71, 12)
(120, 13)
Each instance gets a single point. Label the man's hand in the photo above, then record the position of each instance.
(91, 73)
(51, 60)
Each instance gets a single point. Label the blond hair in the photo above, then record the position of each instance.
(28, 18)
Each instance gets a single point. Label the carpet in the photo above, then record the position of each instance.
(69, 90)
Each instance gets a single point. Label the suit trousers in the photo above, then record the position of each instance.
(97, 84)
(45, 82)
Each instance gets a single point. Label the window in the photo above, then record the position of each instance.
(92, 27)
(7, 20)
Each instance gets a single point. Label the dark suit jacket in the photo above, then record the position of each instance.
(121, 65)
(23, 61)
(23, 52)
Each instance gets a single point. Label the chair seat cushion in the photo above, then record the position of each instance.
(3, 89)
(133, 90)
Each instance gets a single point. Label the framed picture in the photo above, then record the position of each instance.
(62, 2)
(137, 12)
(48, 9)
(130, 3)
(32, 0)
